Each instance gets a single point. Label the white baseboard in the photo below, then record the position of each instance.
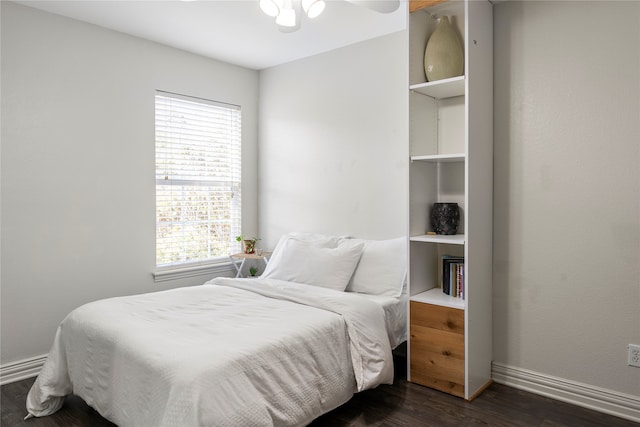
(585, 395)
(21, 370)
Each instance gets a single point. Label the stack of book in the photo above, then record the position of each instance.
(452, 278)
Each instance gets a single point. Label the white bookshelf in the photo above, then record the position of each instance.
(451, 155)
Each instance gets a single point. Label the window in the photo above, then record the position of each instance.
(198, 199)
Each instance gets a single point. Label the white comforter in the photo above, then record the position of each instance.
(240, 352)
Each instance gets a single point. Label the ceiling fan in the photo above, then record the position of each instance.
(287, 12)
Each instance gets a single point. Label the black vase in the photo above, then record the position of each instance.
(445, 218)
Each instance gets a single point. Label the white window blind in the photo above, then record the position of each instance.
(198, 170)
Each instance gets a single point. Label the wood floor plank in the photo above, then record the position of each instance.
(402, 404)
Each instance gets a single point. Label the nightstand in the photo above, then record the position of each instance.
(239, 259)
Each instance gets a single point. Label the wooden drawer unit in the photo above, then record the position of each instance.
(437, 347)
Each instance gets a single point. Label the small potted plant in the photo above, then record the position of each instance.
(253, 271)
(248, 245)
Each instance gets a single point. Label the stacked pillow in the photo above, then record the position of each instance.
(382, 267)
(314, 259)
(367, 266)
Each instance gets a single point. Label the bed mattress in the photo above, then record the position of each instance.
(232, 352)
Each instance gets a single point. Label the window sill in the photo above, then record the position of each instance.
(164, 274)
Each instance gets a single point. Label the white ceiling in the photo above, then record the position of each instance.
(233, 31)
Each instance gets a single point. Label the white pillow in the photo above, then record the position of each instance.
(318, 240)
(382, 267)
(303, 262)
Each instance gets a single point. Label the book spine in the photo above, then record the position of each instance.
(446, 282)
(462, 285)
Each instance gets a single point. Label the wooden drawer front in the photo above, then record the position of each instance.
(437, 347)
(437, 317)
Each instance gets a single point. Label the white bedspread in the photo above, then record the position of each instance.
(237, 352)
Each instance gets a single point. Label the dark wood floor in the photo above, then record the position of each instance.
(400, 404)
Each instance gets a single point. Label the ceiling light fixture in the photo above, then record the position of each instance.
(287, 12)
(271, 7)
(313, 8)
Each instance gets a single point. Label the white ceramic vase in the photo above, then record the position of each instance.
(444, 56)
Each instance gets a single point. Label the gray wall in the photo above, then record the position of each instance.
(333, 142)
(78, 186)
(567, 189)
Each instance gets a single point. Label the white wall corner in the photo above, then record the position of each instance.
(598, 399)
(21, 370)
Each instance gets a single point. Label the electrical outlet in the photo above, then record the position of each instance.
(634, 355)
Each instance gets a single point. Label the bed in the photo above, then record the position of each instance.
(317, 327)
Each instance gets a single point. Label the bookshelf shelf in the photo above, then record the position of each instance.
(437, 297)
(455, 239)
(441, 89)
(439, 158)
